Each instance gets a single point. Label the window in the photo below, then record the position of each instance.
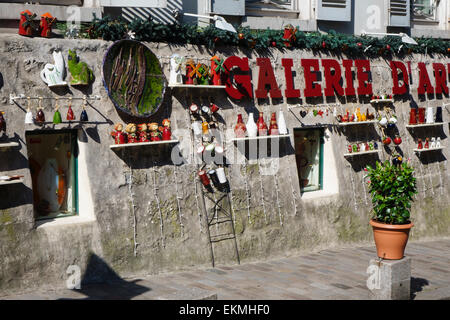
(425, 10)
(273, 4)
(52, 158)
(309, 158)
(286, 8)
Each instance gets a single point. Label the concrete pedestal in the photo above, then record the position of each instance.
(389, 279)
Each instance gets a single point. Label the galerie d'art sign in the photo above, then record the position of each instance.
(333, 72)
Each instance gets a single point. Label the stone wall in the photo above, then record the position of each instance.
(272, 218)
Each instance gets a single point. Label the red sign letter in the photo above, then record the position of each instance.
(424, 80)
(242, 80)
(266, 77)
(440, 76)
(362, 71)
(349, 89)
(332, 80)
(311, 89)
(290, 91)
(396, 89)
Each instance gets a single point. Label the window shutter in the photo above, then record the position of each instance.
(399, 11)
(334, 10)
(228, 7)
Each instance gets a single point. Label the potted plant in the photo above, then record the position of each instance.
(392, 188)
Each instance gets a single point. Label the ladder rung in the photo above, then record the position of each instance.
(220, 221)
(228, 236)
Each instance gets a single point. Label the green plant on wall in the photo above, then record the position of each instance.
(392, 188)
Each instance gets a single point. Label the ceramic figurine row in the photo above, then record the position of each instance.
(203, 119)
(39, 119)
(196, 73)
(356, 116)
(382, 97)
(418, 115)
(362, 147)
(435, 143)
(142, 132)
(252, 129)
(29, 27)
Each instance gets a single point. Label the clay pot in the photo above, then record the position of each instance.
(390, 239)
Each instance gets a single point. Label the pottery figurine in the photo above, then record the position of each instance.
(118, 134)
(273, 128)
(216, 70)
(142, 132)
(240, 128)
(26, 23)
(427, 143)
(190, 66)
(47, 22)
(281, 123)
(130, 129)
(166, 133)
(433, 142)
(80, 72)
(419, 144)
(412, 116)
(53, 74)
(262, 127)
(429, 115)
(438, 142)
(176, 62)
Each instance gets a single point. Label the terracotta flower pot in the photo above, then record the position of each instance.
(390, 239)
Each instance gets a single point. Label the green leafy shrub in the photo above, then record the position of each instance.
(392, 188)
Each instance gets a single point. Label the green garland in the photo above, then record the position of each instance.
(108, 28)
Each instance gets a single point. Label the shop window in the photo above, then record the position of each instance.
(309, 158)
(52, 158)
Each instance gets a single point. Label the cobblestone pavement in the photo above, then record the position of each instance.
(338, 273)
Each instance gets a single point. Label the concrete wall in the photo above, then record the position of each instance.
(272, 217)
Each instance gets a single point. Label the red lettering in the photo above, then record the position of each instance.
(362, 72)
(440, 77)
(266, 77)
(424, 80)
(349, 89)
(242, 80)
(311, 89)
(332, 80)
(290, 91)
(397, 89)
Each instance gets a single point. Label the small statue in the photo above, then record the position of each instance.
(142, 132)
(155, 134)
(175, 69)
(118, 134)
(216, 69)
(203, 78)
(166, 133)
(131, 132)
(26, 24)
(80, 72)
(53, 74)
(46, 24)
(190, 66)
(2, 122)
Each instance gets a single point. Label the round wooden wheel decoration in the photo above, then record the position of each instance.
(133, 78)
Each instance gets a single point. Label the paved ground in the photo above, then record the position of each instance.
(328, 274)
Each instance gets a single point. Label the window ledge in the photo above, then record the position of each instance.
(49, 223)
(423, 21)
(319, 194)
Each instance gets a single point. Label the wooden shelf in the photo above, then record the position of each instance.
(262, 137)
(3, 182)
(382, 101)
(424, 125)
(9, 144)
(202, 86)
(360, 153)
(428, 149)
(141, 144)
(356, 122)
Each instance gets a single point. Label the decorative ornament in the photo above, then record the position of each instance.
(324, 44)
(251, 127)
(239, 128)
(282, 123)
(387, 141)
(57, 116)
(83, 115)
(80, 72)
(176, 62)
(274, 44)
(26, 24)
(359, 44)
(388, 47)
(40, 116)
(70, 115)
(262, 127)
(241, 36)
(53, 74)
(190, 66)
(216, 70)
(130, 129)
(397, 140)
(47, 22)
(289, 35)
(142, 132)
(166, 133)
(273, 128)
(303, 113)
(29, 114)
(118, 134)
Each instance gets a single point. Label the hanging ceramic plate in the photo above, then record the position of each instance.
(133, 78)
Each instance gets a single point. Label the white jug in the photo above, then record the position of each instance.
(53, 74)
(429, 115)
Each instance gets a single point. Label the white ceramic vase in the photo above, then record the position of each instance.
(53, 74)
(282, 128)
(252, 129)
(429, 115)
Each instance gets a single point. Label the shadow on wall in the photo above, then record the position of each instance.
(100, 282)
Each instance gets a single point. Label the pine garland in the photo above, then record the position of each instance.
(108, 28)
